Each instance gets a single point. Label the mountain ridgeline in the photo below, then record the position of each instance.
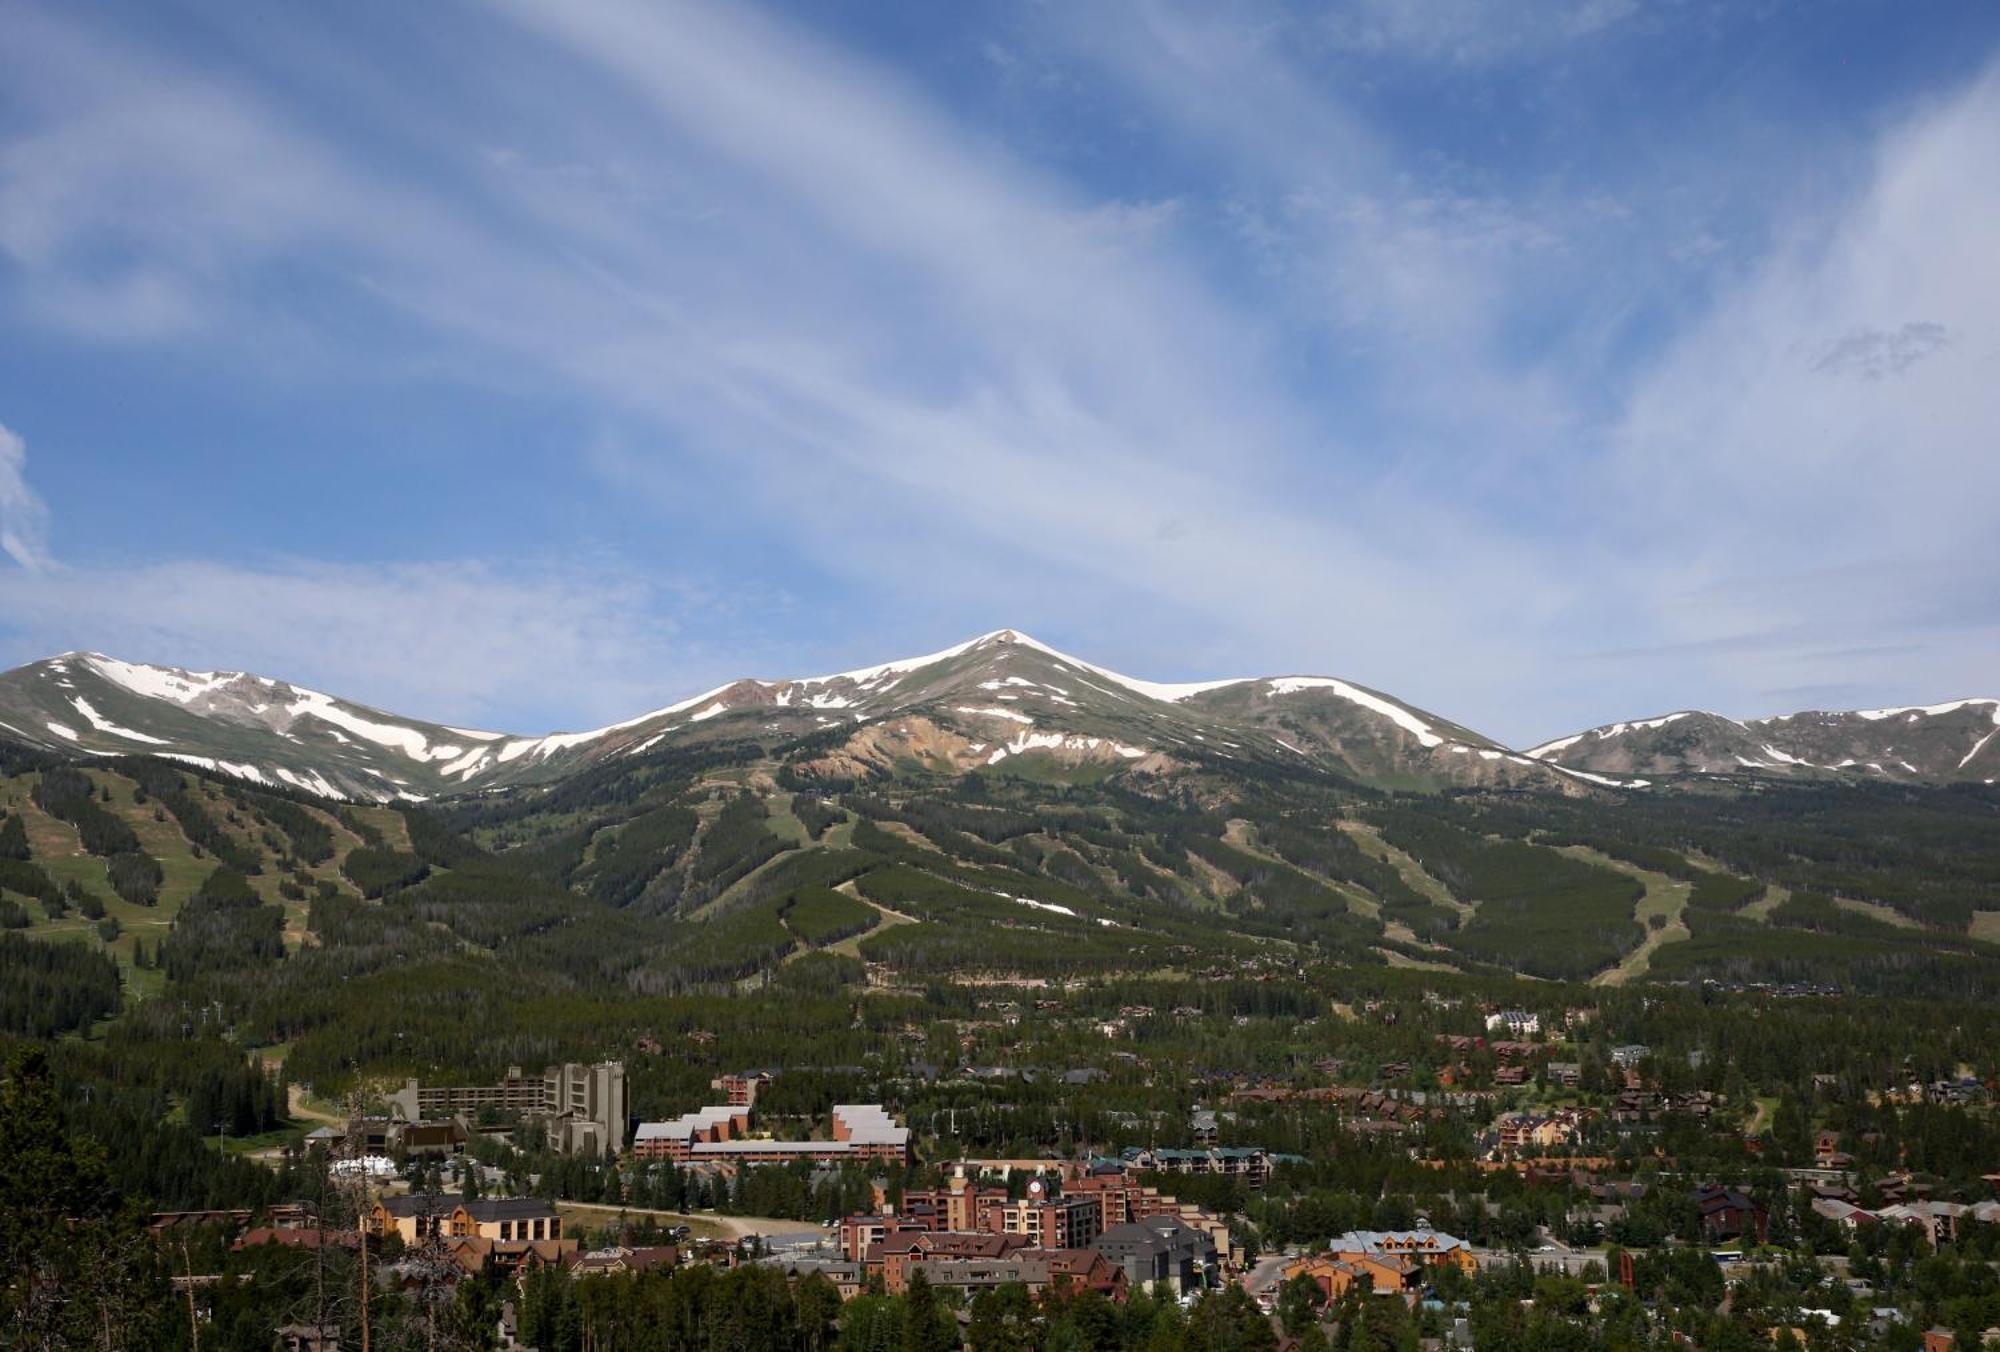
(998, 810)
(970, 707)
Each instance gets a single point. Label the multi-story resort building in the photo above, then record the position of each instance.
(582, 1107)
(1249, 1163)
(417, 1217)
(1088, 1205)
(1054, 1222)
(739, 1090)
(719, 1135)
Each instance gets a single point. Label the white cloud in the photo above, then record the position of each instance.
(24, 519)
(966, 382)
(1815, 458)
(462, 643)
(871, 314)
(1072, 391)
(1417, 275)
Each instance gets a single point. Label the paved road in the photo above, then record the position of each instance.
(1570, 1261)
(703, 1222)
(1265, 1275)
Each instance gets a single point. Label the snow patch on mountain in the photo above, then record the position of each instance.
(902, 666)
(1930, 710)
(1980, 745)
(397, 737)
(1605, 780)
(1172, 692)
(103, 724)
(179, 686)
(311, 783)
(993, 713)
(1058, 741)
(470, 762)
(541, 748)
(173, 684)
(1050, 906)
(1395, 713)
(240, 769)
(1643, 724)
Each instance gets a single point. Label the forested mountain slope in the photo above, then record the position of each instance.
(739, 863)
(1044, 950)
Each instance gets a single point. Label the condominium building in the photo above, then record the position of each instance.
(740, 1089)
(1053, 1222)
(418, 1217)
(1248, 1163)
(959, 1205)
(582, 1107)
(718, 1135)
(1428, 1248)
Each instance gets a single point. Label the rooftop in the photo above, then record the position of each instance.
(1395, 1241)
(870, 1124)
(687, 1124)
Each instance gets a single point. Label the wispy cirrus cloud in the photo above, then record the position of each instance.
(1057, 393)
(1300, 390)
(1749, 498)
(24, 517)
(462, 642)
(1810, 455)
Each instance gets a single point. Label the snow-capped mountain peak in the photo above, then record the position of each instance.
(999, 695)
(978, 703)
(1956, 740)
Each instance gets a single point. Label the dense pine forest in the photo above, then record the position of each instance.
(197, 969)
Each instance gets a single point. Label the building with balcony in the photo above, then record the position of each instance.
(581, 1107)
(720, 1135)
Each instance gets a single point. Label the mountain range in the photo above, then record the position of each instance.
(999, 697)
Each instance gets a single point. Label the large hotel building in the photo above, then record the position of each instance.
(720, 1135)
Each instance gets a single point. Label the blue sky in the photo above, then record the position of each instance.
(1542, 363)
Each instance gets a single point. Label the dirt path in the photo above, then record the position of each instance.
(850, 947)
(300, 1110)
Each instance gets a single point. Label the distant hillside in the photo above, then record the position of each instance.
(1939, 743)
(997, 697)
(904, 853)
(1000, 695)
